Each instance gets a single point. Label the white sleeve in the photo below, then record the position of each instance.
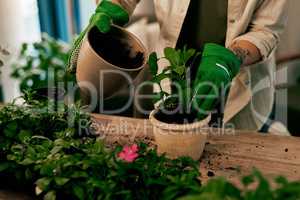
(266, 26)
(129, 5)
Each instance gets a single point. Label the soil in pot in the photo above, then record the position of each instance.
(171, 113)
(176, 118)
(114, 48)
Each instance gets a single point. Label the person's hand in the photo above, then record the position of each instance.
(217, 68)
(106, 14)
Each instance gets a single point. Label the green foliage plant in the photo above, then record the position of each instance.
(50, 158)
(42, 65)
(41, 152)
(179, 73)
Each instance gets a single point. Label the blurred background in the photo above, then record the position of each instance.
(23, 24)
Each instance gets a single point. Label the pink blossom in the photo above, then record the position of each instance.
(129, 153)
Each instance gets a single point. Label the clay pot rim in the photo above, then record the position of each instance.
(178, 127)
(117, 67)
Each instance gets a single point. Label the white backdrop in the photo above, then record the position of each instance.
(18, 24)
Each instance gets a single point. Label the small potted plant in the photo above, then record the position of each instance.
(178, 128)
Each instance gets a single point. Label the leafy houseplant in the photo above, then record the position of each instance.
(179, 72)
(42, 65)
(59, 161)
(172, 134)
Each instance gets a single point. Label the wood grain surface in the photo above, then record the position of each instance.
(228, 153)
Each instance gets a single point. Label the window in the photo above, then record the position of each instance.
(62, 19)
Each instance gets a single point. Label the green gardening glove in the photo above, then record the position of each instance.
(217, 69)
(106, 14)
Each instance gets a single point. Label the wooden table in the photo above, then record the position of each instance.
(230, 156)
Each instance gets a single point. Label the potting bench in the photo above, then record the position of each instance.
(230, 154)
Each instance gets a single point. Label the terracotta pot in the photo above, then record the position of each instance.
(178, 140)
(91, 64)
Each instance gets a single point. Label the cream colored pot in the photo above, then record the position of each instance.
(178, 140)
(97, 75)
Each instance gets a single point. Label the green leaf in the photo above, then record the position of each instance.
(188, 55)
(61, 180)
(43, 183)
(28, 174)
(222, 188)
(24, 135)
(263, 190)
(281, 180)
(11, 129)
(56, 149)
(79, 192)
(172, 55)
(180, 70)
(79, 174)
(98, 147)
(50, 195)
(24, 48)
(203, 196)
(4, 166)
(153, 66)
(26, 161)
(247, 180)
(186, 96)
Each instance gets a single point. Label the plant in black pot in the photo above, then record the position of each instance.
(179, 129)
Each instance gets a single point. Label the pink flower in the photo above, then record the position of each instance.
(129, 153)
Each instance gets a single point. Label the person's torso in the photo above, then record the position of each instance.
(171, 14)
(205, 22)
